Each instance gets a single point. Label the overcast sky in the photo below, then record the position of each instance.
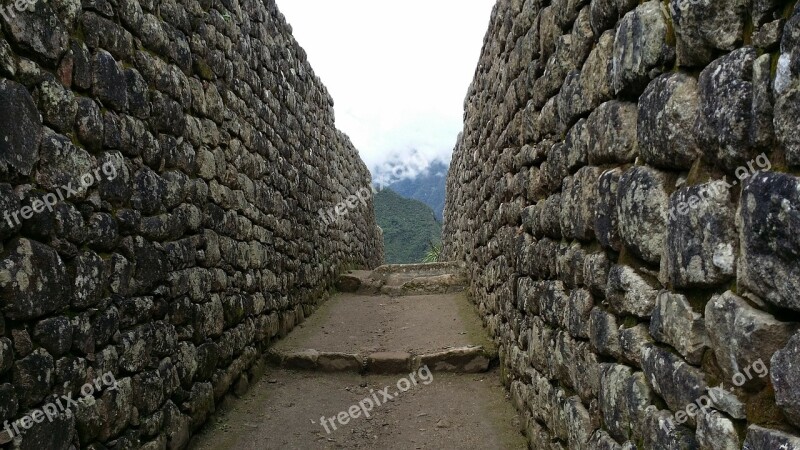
(398, 71)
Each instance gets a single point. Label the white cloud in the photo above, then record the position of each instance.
(398, 71)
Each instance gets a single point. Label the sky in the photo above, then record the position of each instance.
(398, 72)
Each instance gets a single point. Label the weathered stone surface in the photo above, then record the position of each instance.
(786, 122)
(660, 431)
(39, 31)
(629, 292)
(742, 335)
(33, 377)
(727, 126)
(612, 133)
(579, 313)
(641, 51)
(642, 200)
(701, 240)
(595, 84)
(6, 354)
(769, 238)
(20, 127)
(701, 27)
(459, 360)
(389, 362)
(678, 383)
(56, 434)
(156, 261)
(788, 71)
(785, 370)
(101, 418)
(631, 341)
(339, 362)
(595, 273)
(604, 333)
(668, 109)
(108, 81)
(32, 280)
(759, 438)
(58, 105)
(606, 221)
(580, 424)
(605, 13)
(577, 209)
(601, 440)
(661, 101)
(675, 322)
(55, 335)
(716, 432)
(727, 401)
(623, 400)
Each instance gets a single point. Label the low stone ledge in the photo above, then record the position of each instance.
(384, 363)
(298, 360)
(340, 362)
(438, 284)
(470, 359)
(458, 360)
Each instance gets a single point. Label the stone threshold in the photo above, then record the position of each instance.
(471, 359)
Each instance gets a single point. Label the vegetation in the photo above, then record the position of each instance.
(433, 253)
(409, 227)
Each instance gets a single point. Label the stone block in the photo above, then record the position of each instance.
(457, 360)
(612, 133)
(20, 132)
(785, 373)
(759, 438)
(32, 280)
(675, 322)
(389, 363)
(629, 292)
(770, 238)
(577, 204)
(623, 400)
(742, 335)
(728, 124)
(668, 109)
(642, 205)
(716, 432)
(695, 256)
(606, 221)
(641, 49)
(339, 362)
(703, 27)
(604, 333)
(678, 383)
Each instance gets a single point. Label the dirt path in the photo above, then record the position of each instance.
(363, 324)
(283, 411)
(427, 410)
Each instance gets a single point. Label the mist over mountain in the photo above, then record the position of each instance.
(410, 180)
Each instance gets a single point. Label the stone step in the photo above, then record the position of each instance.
(406, 279)
(471, 359)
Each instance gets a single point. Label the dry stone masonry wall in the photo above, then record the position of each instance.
(625, 193)
(176, 273)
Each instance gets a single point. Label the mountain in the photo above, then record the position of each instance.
(428, 186)
(409, 227)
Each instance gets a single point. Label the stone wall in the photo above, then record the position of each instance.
(625, 193)
(206, 244)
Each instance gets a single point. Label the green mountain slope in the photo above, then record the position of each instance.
(427, 187)
(409, 226)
